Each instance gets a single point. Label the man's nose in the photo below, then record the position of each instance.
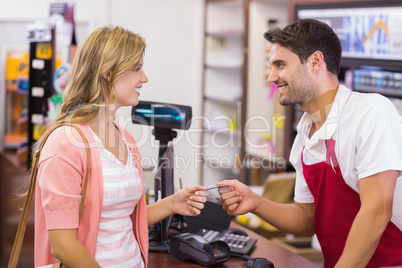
(273, 76)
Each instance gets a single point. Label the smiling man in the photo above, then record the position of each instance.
(347, 155)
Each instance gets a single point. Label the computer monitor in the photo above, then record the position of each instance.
(162, 115)
(367, 30)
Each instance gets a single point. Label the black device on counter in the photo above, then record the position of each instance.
(164, 117)
(213, 224)
(259, 263)
(212, 217)
(193, 247)
(238, 240)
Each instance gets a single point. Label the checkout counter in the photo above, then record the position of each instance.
(265, 248)
(12, 176)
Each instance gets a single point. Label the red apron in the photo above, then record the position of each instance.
(336, 206)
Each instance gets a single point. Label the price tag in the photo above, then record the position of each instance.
(37, 92)
(38, 64)
(39, 32)
(37, 119)
(43, 51)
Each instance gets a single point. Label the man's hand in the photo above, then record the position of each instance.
(236, 198)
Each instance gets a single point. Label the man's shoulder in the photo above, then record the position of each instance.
(368, 97)
(369, 102)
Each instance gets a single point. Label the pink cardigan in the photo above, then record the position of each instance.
(58, 193)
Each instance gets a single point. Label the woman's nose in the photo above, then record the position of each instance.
(144, 77)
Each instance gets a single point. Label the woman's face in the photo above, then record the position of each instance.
(128, 86)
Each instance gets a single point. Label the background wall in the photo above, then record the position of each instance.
(173, 30)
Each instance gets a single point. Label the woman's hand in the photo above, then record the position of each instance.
(189, 201)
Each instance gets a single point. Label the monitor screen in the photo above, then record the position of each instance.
(162, 115)
(369, 30)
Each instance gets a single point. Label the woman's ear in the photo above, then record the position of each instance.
(106, 76)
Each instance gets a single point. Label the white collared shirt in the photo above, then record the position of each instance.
(368, 133)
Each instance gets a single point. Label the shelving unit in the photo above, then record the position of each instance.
(264, 144)
(15, 97)
(41, 38)
(223, 89)
(234, 85)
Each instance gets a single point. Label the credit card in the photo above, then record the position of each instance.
(216, 187)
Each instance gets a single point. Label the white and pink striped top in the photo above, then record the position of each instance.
(122, 188)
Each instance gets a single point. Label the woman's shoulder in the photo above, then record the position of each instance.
(67, 139)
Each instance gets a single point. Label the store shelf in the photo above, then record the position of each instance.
(267, 158)
(384, 91)
(223, 100)
(227, 34)
(224, 66)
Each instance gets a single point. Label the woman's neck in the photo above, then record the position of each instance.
(109, 135)
(104, 123)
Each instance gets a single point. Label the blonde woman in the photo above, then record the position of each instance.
(107, 73)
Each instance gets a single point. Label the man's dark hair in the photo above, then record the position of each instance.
(306, 36)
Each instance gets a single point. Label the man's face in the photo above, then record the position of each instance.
(292, 77)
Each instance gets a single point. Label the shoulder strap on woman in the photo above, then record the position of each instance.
(19, 237)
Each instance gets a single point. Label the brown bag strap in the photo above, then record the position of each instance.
(19, 237)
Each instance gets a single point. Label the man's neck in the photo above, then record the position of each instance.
(319, 109)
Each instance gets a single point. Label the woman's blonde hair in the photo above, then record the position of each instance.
(101, 58)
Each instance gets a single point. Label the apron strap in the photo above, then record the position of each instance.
(331, 156)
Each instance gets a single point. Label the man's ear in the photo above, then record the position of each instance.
(316, 59)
